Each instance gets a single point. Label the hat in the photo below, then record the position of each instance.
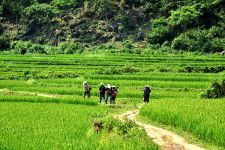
(108, 86)
(147, 86)
(101, 83)
(85, 82)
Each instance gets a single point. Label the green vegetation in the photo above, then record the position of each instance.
(57, 126)
(41, 98)
(202, 118)
(217, 90)
(130, 26)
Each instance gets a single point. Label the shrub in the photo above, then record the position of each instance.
(199, 40)
(217, 90)
(36, 48)
(69, 47)
(128, 69)
(215, 69)
(127, 46)
(20, 47)
(24, 47)
(164, 70)
(51, 49)
(183, 42)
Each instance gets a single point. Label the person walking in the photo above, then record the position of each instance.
(147, 91)
(102, 92)
(108, 92)
(114, 94)
(87, 89)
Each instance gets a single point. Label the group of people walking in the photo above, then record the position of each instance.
(110, 92)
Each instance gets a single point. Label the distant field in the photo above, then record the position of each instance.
(176, 81)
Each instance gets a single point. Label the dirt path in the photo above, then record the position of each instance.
(29, 93)
(164, 138)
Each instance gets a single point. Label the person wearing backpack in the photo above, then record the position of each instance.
(87, 89)
(147, 92)
(108, 92)
(114, 94)
(102, 92)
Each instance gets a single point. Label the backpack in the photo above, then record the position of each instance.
(87, 87)
(147, 90)
(114, 92)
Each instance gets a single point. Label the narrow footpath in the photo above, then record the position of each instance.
(164, 138)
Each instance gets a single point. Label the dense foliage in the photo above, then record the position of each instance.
(217, 90)
(180, 25)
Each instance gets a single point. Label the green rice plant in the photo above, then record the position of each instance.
(38, 99)
(171, 100)
(204, 119)
(60, 126)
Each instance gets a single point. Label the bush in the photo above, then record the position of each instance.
(128, 69)
(51, 49)
(200, 40)
(215, 69)
(127, 46)
(37, 49)
(69, 47)
(217, 90)
(24, 47)
(20, 47)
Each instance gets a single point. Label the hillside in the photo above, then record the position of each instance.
(70, 26)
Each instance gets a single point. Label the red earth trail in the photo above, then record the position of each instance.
(164, 138)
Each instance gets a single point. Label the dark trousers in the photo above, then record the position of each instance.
(88, 93)
(101, 96)
(146, 98)
(108, 97)
(112, 100)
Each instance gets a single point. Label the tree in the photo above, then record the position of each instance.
(184, 16)
(40, 14)
(65, 4)
(159, 31)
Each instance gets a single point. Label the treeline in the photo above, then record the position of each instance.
(68, 26)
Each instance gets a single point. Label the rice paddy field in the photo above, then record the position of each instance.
(41, 103)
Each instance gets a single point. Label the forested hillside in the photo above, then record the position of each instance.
(69, 26)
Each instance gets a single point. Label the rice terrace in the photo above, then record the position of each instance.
(112, 75)
(61, 119)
